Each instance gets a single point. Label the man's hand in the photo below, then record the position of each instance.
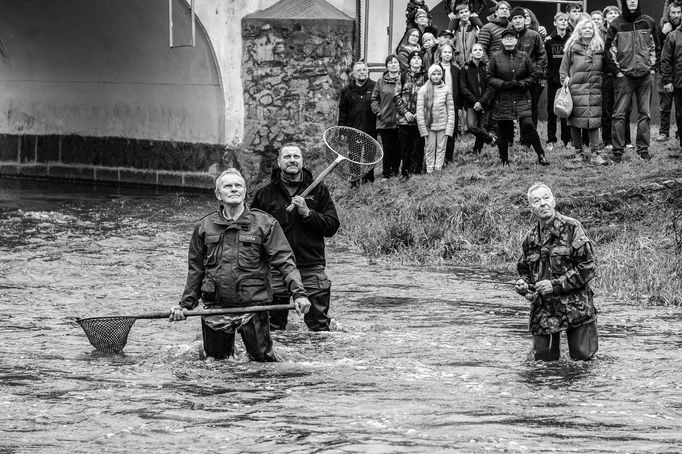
(176, 314)
(299, 202)
(302, 305)
(668, 88)
(478, 107)
(452, 16)
(667, 28)
(521, 287)
(409, 116)
(620, 74)
(544, 287)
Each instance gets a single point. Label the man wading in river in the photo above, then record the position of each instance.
(230, 255)
(558, 263)
(306, 227)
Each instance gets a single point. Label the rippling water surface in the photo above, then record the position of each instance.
(423, 360)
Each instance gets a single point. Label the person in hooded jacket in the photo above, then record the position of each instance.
(671, 77)
(665, 99)
(512, 74)
(313, 219)
(387, 116)
(632, 42)
(581, 69)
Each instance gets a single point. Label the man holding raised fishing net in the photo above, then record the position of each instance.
(556, 267)
(230, 255)
(313, 219)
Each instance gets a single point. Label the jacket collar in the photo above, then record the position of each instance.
(242, 222)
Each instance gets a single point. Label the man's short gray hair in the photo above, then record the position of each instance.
(230, 171)
(290, 145)
(538, 186)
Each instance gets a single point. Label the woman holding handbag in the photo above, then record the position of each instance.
(581, 72)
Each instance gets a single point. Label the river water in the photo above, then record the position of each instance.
(422, 361)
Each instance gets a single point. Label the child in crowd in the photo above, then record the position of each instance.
(451, 78)
(475, 7)
(435, 117)
(429, 47)
(413, 6)
(466, 35)
(532, 23)
(477, 97)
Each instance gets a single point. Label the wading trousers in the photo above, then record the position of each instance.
(318, 287)
(219, 344)
(583, 343)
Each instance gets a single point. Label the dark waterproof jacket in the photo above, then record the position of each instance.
(554, 48)
(305, 235)
(671, 59)
(473, 84)
(355, 109)
(661, 40)
(490, 36)
(562, 254)
(383, 106)
(631, 43)
(584, 68)
(511, 74)
(532, 44)
(406, 94)
(233, 259)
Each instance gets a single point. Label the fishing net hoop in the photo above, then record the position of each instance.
(359, 151)
(107, 334)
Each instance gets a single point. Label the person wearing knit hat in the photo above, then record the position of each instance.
(509, 32)
(512, 75)
(517, 11)
(435, 117)
(632, 42)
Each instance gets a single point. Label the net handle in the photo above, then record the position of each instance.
(318, 180)
(222, 311)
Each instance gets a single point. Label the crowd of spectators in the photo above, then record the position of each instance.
(486, 72)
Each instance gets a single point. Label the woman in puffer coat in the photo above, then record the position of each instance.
(581, 70)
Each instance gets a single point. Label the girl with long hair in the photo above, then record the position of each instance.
(435, 117)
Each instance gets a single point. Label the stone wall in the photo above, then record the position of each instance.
(293, 72)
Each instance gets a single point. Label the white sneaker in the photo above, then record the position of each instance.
(598, 161)
(550, 146)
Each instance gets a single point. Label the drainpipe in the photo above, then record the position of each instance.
(358, 28)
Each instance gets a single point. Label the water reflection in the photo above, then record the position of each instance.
(439, 365)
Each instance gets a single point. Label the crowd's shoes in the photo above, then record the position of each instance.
(599, 160)
(550, 146)
(644, 155)
(675, 153)
(661, 138)
(629, 146)
(543, 160)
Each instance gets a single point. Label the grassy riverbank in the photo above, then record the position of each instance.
(475, 213)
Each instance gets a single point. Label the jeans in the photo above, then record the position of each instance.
(593, 137)
(391, 145)
(608, 99)
(625, 88)
(411, 149)
(551, 118)
(665, 99)
(477, 122)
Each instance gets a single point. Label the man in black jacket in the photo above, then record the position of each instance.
(671, 75)
(306, 227)
(355, 106)
(631, 56)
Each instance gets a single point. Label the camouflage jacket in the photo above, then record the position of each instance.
(561, 253)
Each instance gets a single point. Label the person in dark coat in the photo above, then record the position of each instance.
(355, 106)
(313, 219)
(665, 99)
(581, 69)
(554, 47)
(386, 113)
(230, 257)
(671, 77)
(477, 97)
(512, 75)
